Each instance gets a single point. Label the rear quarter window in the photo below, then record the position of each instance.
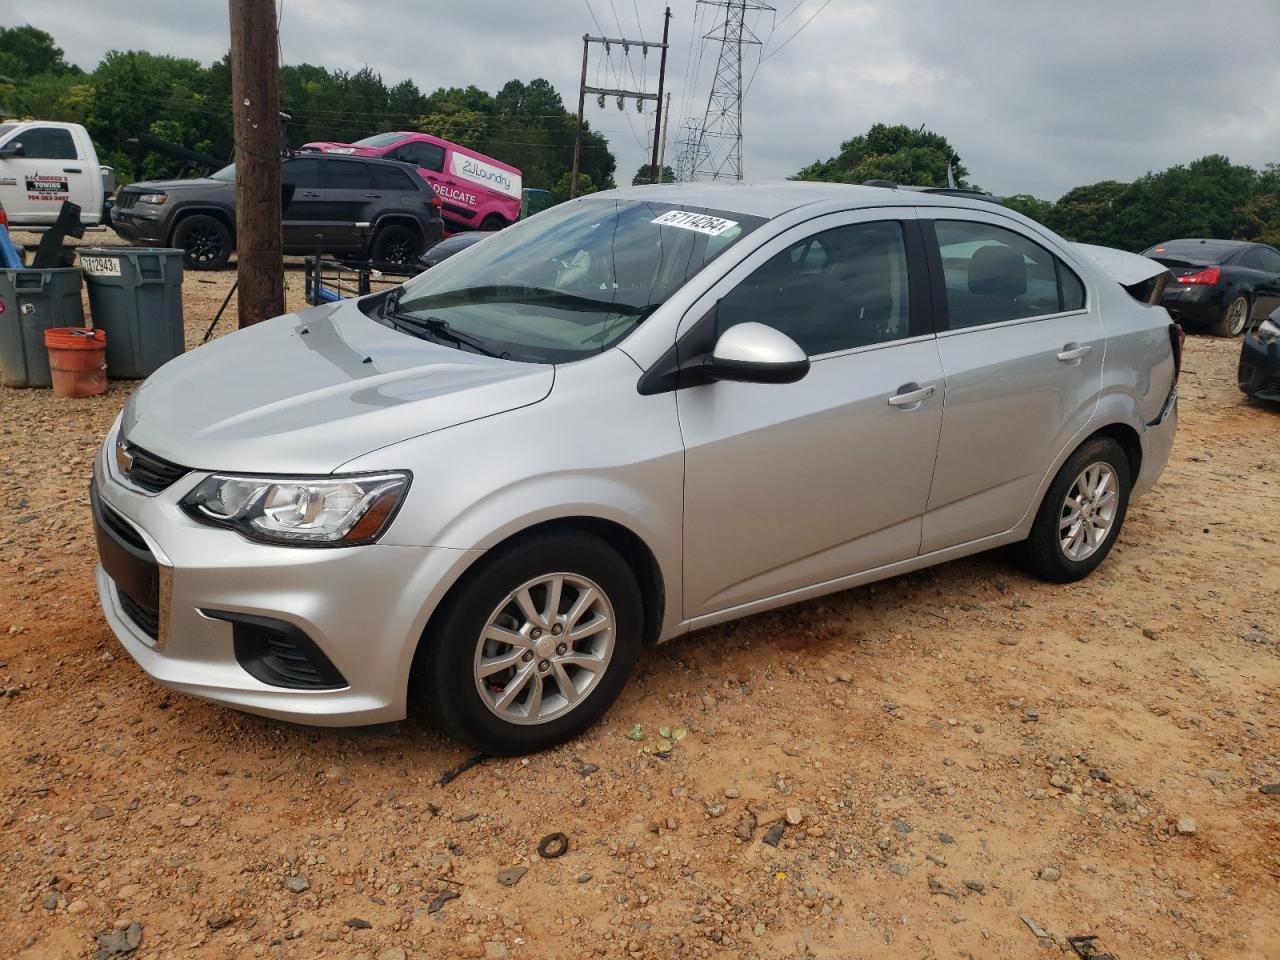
(391, 178)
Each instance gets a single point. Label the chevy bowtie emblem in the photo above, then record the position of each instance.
(124, 459)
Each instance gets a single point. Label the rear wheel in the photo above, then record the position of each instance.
(397, 243)
(1234, 319)
(1081, 515)
(492, 222)
(205, 242)
(535, 645)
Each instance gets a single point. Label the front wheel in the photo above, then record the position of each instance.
(535, 645)
(492, 222)
(205, 242)
(1081, 515)
(1234, 318)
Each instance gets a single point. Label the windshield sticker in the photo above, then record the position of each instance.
(700, 222)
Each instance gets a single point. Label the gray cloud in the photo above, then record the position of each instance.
(1036, 96)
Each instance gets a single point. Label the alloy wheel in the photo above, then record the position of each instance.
(544, 648)
(1089, 511)
(1237, 316)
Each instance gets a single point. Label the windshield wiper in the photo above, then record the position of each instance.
(498, 293)
(434, 326)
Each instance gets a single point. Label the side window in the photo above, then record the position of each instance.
(1071, 286)
(420, 154)
(835, 290)
(48, 143)
(303, 173)
(390, 178)
(1270, 259)
(993, 274)
(346, 175)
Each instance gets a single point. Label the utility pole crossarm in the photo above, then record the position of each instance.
(627, 43)
(610, 92)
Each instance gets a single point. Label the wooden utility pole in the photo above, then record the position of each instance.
(577, 134)
(655, 172)
(621, 95)
(255, 111)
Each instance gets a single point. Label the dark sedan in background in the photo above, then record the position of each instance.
(1225, 285)
(1259, 374)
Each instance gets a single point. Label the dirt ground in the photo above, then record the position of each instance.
(961, 759)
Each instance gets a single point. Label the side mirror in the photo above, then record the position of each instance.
(11, 150)
(754, 353)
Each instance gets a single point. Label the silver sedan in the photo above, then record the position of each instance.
(632, 416)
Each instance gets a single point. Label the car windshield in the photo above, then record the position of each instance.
(570, 282)
(380, 140)
(227, 174)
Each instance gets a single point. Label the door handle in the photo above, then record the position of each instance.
(373, 196)
(70, 169)
(911, 395)
(1073, 352)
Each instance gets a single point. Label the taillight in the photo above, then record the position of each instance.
(436, 202)
(1205, 278)
(1177, 337)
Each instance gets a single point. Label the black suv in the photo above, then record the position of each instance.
(348, 206)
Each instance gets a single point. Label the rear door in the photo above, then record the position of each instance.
(304, 218)
(348, 194)
(1022, 356)
(49, 171)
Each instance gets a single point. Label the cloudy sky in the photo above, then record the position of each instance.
(1037, 96)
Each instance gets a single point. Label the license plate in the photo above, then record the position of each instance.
(100, 266)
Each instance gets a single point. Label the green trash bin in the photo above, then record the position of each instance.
(32, 301)
(135, 295)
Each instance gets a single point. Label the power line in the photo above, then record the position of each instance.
(798, 32)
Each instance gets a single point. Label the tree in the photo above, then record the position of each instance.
(561, 189)
(1090, 214)
(642, 175)
(28, 52)
(897, 153)
(1030, 206)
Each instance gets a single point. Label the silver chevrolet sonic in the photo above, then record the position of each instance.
(631, 416)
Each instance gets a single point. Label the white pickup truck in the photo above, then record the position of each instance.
(44, 162)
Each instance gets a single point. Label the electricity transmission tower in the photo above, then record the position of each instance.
(686, 148)
(722, 121)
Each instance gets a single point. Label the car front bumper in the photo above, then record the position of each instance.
(362, 608)
(1259, 372)
(139, 229)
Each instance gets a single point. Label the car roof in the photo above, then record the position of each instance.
(771, 199)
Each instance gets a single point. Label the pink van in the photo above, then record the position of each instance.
(479, 192)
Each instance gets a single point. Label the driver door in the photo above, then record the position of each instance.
(792, 485)
(48, 172)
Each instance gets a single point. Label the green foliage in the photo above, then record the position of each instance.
(642, 175)
(28, 52)
(561, 189)
(187, 103)
(897, 153)
(1030, 206)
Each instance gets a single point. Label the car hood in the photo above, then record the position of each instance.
(306, 392)
(168, 186)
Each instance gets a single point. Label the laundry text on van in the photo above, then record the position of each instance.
(478, 172)
(701, 222)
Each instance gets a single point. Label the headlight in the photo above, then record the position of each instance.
(1268, 332)
(339, 511)
(155, 198)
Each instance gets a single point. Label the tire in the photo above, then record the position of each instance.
(1045, 552)
(205, 242)
(492, 222)
(397, 243)
(1235, 318)
(450, 668)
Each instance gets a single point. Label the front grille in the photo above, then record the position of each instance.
(126, 199)
(146, 618)
(150, 472)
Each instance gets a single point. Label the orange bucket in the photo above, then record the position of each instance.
(77, 361)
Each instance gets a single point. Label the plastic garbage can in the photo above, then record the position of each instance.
(32, 301)
(135, 295)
